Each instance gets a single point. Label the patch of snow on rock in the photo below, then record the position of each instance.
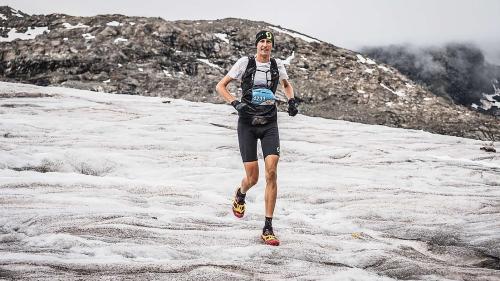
(113, 23)
(70, 26)
(384, 68)
(118, 40)
(88, 36)
(222, 36)
(210, 64)
(31, 33)
(296, 35)
(397, 93)
(361, 59)
(288, 60)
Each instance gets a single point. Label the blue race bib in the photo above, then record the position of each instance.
(263, 96)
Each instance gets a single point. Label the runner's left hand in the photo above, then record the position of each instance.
(292, 107)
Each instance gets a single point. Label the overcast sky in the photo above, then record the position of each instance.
(346, 23)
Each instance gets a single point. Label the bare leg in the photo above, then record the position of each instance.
(252, 175)
(271, 193)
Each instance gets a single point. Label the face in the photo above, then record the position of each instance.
(264, 47)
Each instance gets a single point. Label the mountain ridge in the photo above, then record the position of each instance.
(185, 59)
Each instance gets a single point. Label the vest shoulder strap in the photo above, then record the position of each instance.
(274, 64)
(275, 75)
(251, 62)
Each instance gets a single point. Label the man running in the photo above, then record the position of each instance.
(259, 76)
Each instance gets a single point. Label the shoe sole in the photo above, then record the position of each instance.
(272, 242)
(238, 215)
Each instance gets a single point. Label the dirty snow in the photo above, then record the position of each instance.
(100, 187)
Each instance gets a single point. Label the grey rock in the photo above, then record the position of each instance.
(152, 56)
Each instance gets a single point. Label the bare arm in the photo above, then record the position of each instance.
(287, 88)
(221, 88)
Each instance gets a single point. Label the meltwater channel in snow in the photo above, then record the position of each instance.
(99, 186)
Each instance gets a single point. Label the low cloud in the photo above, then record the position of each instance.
(456, 71)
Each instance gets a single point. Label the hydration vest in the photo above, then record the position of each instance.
(264, 113)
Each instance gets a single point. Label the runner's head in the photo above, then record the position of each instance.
(264, 41)
(264, 35)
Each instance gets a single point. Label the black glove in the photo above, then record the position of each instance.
(238, 105)
(292, 107)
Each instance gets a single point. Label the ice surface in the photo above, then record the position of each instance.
(98, 186)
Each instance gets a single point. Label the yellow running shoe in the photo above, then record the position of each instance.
(238, 209)
(238, 206)
(269, 238)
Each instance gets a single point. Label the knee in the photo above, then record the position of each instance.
(271, 175)
(252, 180)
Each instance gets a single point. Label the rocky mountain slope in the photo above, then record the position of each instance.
(185, 59)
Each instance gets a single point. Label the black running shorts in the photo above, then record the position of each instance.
(248, 135)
